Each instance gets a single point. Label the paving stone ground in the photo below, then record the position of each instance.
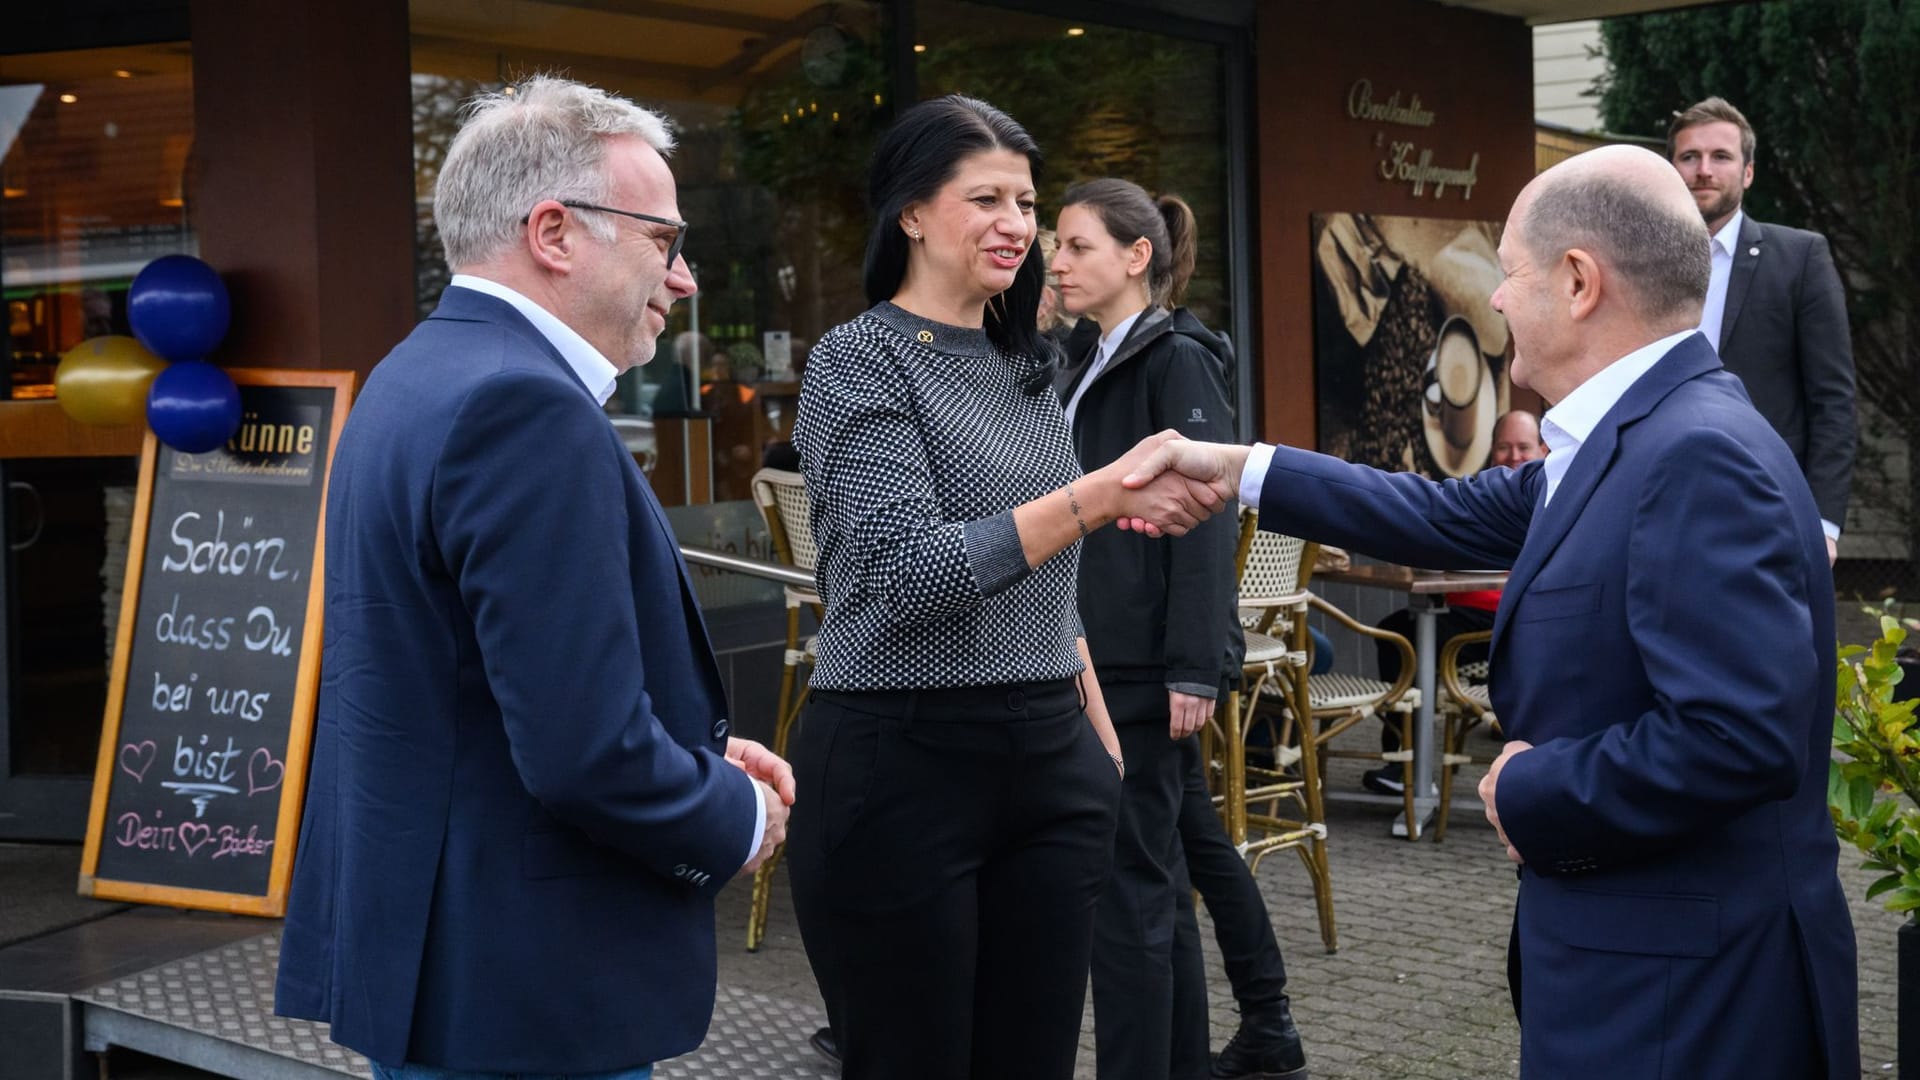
(1418, 986)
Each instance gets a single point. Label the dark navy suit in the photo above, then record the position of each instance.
(1666, 641)
(1784, 332)
(519, 811)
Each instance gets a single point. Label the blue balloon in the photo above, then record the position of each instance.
(178, 308)
(193, 406)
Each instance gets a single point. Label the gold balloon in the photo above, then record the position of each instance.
(104, 380)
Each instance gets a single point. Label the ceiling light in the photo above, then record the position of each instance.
(122, 73)
(1076, 31)
(919, 48)
(68, 99)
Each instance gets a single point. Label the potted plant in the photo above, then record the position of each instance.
(1874, 794)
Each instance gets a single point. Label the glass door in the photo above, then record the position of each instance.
(93, 155)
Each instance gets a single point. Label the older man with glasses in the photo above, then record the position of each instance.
(523, 793)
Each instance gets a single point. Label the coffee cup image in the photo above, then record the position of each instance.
(1451, 385)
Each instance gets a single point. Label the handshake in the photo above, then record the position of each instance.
(1167, 484)
(773, 782)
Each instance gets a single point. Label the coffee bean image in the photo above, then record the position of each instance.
(1390, 434)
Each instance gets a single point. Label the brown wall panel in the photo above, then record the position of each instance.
(303, 177)
(1473, 72)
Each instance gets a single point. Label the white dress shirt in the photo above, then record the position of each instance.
(1109, 341)
(1713, 314)
(1568, 424)
(595, 370)
(599, 375)
(1564, 428)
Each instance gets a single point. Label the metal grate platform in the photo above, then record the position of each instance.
(215, 1011)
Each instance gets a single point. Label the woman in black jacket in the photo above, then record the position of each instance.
(1123, 264)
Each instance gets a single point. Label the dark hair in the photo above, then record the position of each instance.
(1711, 111)
(1129, 213)
(916, 156)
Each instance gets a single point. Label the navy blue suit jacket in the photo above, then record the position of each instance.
(1666, 642)
(518, 811)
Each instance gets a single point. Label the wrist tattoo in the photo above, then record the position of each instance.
(1074, 505)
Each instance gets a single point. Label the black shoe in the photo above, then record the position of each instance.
(826, 1045)
(1267, 1047)
(1387, 780)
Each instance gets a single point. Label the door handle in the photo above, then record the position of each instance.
(29, 492)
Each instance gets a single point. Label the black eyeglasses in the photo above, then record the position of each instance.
(679, 227)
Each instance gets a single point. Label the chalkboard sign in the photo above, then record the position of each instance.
(203, 756)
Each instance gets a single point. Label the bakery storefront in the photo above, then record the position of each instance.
(1348, 164)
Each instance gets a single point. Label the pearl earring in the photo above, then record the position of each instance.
(915, 233)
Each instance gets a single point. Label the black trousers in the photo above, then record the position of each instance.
(1138, 1032)
(946, 852)
(1248, 949)
(1447, 625)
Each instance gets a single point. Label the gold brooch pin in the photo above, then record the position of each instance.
(926, 337)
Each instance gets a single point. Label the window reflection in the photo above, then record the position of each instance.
(93, 154)
(776, 104)
(1101, 101)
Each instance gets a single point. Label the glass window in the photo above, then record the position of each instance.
(776, 104)
(94, 148)
(1101, 101)
(93, 155)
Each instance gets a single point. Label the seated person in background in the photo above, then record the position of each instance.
(1516, 441)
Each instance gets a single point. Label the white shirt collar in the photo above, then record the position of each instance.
(1729, 234)
(1111, 340)
(594, 369)
(1568, 424)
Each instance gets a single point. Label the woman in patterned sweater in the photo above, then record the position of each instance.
(958, 773)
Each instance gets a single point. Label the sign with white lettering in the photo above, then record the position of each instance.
(1403, 160)
(203, 756)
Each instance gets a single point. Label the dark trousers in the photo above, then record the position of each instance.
(1448, 624)
(1135, 1024)
(945, 855)
(1248, 949)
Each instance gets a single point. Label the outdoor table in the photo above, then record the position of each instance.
(1427, 597)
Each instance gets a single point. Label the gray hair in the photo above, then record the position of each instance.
(1664, 256)
(543, 139)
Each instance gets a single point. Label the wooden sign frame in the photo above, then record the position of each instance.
(306, 685)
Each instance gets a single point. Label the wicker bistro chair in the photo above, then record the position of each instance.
(782, 499)
(1273, 606)
(1467, 703)
(1338, 701)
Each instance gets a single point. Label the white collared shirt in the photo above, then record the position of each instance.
(1568, 424)
(1564, 428)
(599, 376)
(594, 369)
(1715, 310)
(1109, 341)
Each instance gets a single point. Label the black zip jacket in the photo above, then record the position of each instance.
(1157, 610)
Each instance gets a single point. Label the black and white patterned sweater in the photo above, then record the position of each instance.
(917, 440)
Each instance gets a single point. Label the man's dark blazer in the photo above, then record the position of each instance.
(518, 811)
(1666, 643)
(1784, 332)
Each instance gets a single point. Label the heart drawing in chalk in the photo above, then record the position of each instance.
(260, 767)
(186, 830)
(137, 758)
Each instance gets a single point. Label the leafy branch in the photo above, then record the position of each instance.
(1882, 748)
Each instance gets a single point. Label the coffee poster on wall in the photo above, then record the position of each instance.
(1411, 361)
